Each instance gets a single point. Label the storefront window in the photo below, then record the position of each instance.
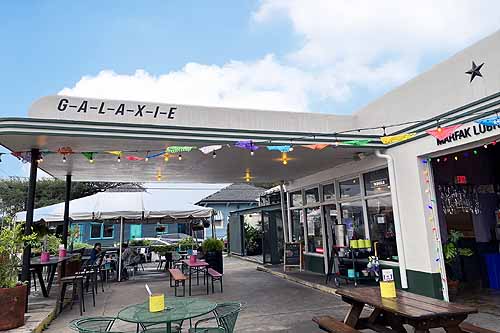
(312, 195)
(381, 223)
(107, 230)
(297, 225)
(377, 182)
(352, 217)
(314, 232)
(101, 230)
(328, 192)
(350, 188)
(296, 199)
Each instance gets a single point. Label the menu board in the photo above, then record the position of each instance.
(293, 254)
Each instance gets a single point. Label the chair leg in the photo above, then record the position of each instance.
(62, 293)
(184, 288)
(221, 290)
(73, 296)
(93, 295)
(82, 298)
(33, 274)
(213, 290)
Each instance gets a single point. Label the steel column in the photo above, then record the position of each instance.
(66, 211)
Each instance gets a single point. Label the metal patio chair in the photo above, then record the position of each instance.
(93, 325)
(226, 315)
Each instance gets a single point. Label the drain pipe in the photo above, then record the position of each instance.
(397, 219)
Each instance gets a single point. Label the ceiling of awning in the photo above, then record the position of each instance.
(232, 164)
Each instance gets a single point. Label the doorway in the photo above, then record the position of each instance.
(467, 187)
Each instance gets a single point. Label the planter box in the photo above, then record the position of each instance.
(215, 260)
(12, 306)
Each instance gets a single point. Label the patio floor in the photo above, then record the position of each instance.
(273, 304)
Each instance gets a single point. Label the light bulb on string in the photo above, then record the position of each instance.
(146, 158)
(438, 160)
(180, 157)
(475, 152)
(40, 158)
(91, 161)
(456, 158)
(214, 154)
(119, 159)
(291, 148)
(64, 158)
(166, 157)
(485, 146)
(252, 152)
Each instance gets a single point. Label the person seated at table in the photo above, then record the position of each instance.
(128, 259)
(94, 254)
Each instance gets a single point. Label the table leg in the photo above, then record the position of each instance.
(190, 271)
(53, 270)
(197, 276)
(452, 329)
(39, 273)
(396, 324)
(205, 277)
(352, 316)
(169, 327)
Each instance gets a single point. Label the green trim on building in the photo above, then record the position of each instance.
(422, 283)
(314, 264)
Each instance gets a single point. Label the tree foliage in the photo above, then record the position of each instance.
(14, 191)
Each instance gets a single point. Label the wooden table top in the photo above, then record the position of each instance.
(197, 263)
(406, 304)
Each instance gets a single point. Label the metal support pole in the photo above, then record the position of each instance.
(284, 213)
(30, 207)
(213, 226)
(67, 199)
(120, 251)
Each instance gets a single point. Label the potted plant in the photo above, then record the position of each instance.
(212, 250)
(452, 253)
(12, 291)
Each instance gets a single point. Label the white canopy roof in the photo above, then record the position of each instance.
(129, 205)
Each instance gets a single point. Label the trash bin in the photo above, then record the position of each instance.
(493, 267)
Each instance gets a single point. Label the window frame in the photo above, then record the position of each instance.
(361, 197)
(101, 232)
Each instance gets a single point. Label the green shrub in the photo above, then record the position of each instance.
(163, 249)
(187, 243)
(139, 242)
(79, 245)
(212, 245)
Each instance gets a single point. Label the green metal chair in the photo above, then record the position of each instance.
(93, 325)
(161, 328)
(226, 315)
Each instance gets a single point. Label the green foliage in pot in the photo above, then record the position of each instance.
(12, 243)
(212, 245)
(162, 249)
(452, 253)
(49, 243)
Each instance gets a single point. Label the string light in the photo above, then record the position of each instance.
(64, 158)
(119, 159)
(165, 157)
(252, 152)
(485, 146)
(146, 158)
(180, 157)
(475, 152)
(456, 158)
(214, 154)
(40, 158)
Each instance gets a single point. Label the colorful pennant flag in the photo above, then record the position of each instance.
(388, 139)
(155, 155)
(178, 149)
(318, 146)
(494, 121)
(247, 144)
(209, 149)
(357, 143)
(134, 158)
(89, 156)
(115, 152)
(442, 133)
(283, 149)
(65, 150)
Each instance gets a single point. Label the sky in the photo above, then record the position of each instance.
(327, 56)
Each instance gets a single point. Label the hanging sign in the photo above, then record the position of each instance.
(464, 133)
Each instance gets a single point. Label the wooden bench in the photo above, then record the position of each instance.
(178, 277)
(216, 276)
(470, 328)
(332, 325)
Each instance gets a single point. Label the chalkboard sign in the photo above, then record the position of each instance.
(293, 255)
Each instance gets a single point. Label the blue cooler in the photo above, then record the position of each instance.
(493, 266)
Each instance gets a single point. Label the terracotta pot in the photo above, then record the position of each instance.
(12, 306)
(453, 286)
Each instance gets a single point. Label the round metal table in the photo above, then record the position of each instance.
(176, 309)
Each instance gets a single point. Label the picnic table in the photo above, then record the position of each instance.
(423, 313)
(197, 266)
(51, 265)
(176, 310)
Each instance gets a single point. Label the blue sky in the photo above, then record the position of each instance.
(313, 56)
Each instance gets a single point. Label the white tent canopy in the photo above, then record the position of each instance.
(126, 205)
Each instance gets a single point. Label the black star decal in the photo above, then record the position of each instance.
(475, 71)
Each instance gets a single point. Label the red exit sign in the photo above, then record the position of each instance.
(460, 180)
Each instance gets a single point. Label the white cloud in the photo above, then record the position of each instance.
(263, 84)
(345, 46)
